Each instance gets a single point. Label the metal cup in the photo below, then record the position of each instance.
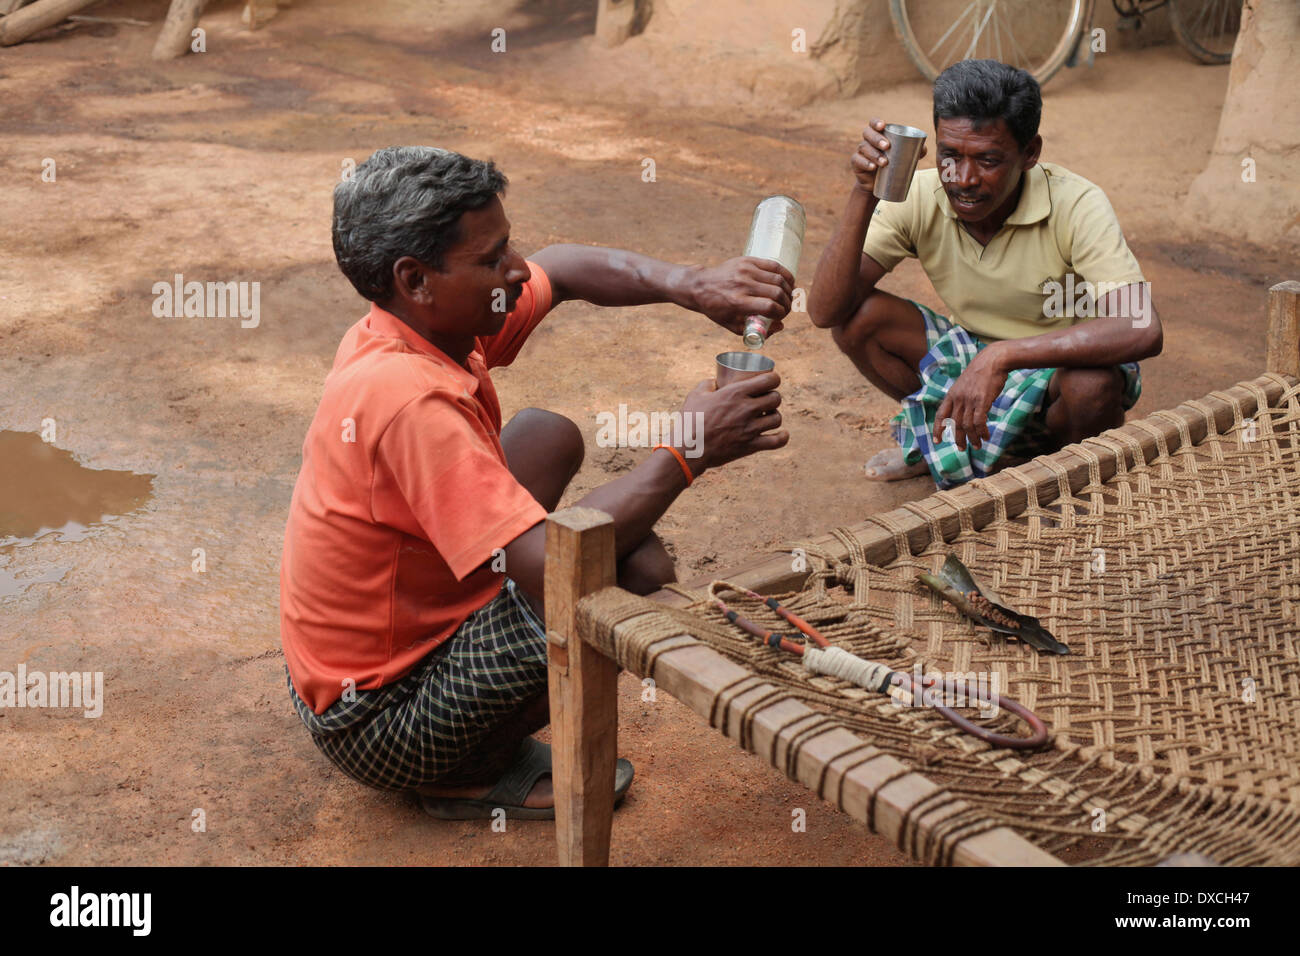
(734, 366)
(895, 178)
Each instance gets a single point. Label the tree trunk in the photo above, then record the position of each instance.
(177, 30)
(18, 26)
(1250, 189)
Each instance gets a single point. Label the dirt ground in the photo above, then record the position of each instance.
(219, 166)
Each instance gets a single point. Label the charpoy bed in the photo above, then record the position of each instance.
(1165, 553)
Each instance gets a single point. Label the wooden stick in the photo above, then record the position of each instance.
(176, 33)
(126, 21)
(21, 24)
(580, 559)
(1284, 328)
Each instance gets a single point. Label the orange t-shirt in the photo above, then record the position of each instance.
(402, 499)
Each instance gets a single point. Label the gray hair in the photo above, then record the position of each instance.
(405, 201)
(985, 90)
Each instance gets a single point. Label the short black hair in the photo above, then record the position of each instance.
(986, 90)
(405, 201)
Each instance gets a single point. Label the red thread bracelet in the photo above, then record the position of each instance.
(680, 460)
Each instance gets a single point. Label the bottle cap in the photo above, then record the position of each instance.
(755, 332)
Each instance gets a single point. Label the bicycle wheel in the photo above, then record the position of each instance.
(1034, 35)
(1208, 28)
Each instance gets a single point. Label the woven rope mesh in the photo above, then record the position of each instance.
(1176, 585)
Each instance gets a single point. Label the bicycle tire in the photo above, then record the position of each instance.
(1179, 20)
(1042, 73)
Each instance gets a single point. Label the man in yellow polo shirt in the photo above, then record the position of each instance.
(1049, 310)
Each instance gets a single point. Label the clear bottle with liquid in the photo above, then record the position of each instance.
(776, 232)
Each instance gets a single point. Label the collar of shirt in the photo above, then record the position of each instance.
(385, 323)
(1035, 200)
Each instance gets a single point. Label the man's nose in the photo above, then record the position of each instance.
(968, 175)
(518, 271)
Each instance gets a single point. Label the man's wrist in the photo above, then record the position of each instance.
(685, 292)
(1002, 354)
(864, 194)
(690, 468)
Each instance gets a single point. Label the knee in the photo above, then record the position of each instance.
(1085, 388)
(872, 315)
(647, 569)
(558, 432)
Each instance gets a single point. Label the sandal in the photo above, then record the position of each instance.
(531, 763)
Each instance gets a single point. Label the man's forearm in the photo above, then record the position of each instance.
(1096, 343)
(617, 277)
(835, 291)
(636, 501)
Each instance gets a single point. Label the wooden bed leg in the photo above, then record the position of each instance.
(1284, 329)
(583, 683)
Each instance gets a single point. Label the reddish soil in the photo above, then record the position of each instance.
(219, 166)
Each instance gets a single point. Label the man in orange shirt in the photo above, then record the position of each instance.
(411, 581)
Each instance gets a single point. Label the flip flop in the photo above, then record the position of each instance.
(531, 763)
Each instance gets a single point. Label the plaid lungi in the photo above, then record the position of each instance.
(427, 724)
(1016, 422)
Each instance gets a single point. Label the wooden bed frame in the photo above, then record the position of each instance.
(580, 559)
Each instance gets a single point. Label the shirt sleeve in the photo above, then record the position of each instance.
(533, 304)
(439, 468)
(890, 234)
(1097, 251)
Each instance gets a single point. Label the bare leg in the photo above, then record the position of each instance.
(885, 339)
(1083, 402)
(544, 451)
(648, 568)
(475, 778)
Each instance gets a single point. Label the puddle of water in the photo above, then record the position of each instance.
(11, 585)
(44, 490)
(29, 847)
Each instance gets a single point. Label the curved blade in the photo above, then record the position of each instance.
(957, 577)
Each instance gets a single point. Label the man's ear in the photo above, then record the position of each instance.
(411, 280)
(1033, 150)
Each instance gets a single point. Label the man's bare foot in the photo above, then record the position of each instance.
(888, 465)
(541, 797)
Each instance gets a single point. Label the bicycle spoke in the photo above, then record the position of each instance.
(1218, 6)
(1227, 18)
(1006, 28)
(954, 26)
(1021, 55)
(970, 52)
(1202, 14)
(952, 51)
(1211, 25)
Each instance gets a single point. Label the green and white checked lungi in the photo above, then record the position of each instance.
(1016, 422)
(420, 728)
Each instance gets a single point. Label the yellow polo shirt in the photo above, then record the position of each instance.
(1062, 225)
